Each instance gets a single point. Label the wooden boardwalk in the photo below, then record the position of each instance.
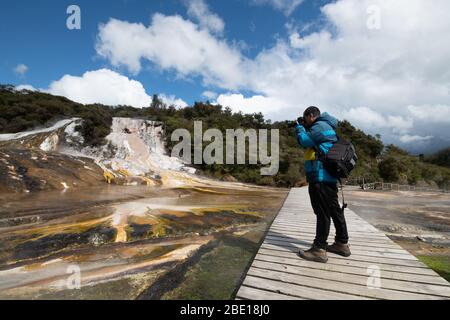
(377, 269)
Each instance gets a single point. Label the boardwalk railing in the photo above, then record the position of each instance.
(395, 187)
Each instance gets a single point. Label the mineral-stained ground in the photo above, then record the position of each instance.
(129, 242)
(418, 221)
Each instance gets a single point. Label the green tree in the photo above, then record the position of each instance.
(390, 169)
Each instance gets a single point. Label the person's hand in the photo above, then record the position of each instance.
(299, 128)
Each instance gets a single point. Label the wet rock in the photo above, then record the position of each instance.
(56, 242)
(33, 175)
(97, 239)
(22, 170)
(229, 178)
(390, 228)
(17, 221)
(140, 231)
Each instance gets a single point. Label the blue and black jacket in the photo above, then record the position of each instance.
(321, 136)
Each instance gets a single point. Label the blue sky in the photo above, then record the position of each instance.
(36, 35)
(381, 64)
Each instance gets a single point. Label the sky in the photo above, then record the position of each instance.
(381, 64)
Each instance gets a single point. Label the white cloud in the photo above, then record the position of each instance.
(295, 40)
(372, 76)
(400, 124)
(410, 139)
(367, 119)
(431, 114)
(171, 100)
(209, 94)
(106, 87)
(199, 10)
(172, 43)
(21, 69)
(101, 86)
(285, 6)
(25, 87)
(254, 104)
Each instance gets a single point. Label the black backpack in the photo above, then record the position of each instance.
(340, 160)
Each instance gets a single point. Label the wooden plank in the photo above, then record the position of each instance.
(350, 232)
(313, 223)
(374, 260)
(312, 231)
(332, 230)
(358, 255)
(364, 262)
(354, 245)
(354, 269)
(354, 231)
(351, 228)
(347, 278)
(383, 264)
(305, 245)
(248, 293)
(309, 216)
(312, 235)
(298, 291)
(354, 242)
(335, 286)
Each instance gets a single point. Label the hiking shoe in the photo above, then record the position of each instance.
(340, 249)
(314, 254)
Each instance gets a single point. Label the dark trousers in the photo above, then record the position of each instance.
(324, 200)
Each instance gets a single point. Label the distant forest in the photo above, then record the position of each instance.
(21, 111)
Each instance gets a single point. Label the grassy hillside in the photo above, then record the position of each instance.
(399, 166)
(26, 110)
(441, 158)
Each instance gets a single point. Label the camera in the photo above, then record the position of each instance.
(301, 121)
